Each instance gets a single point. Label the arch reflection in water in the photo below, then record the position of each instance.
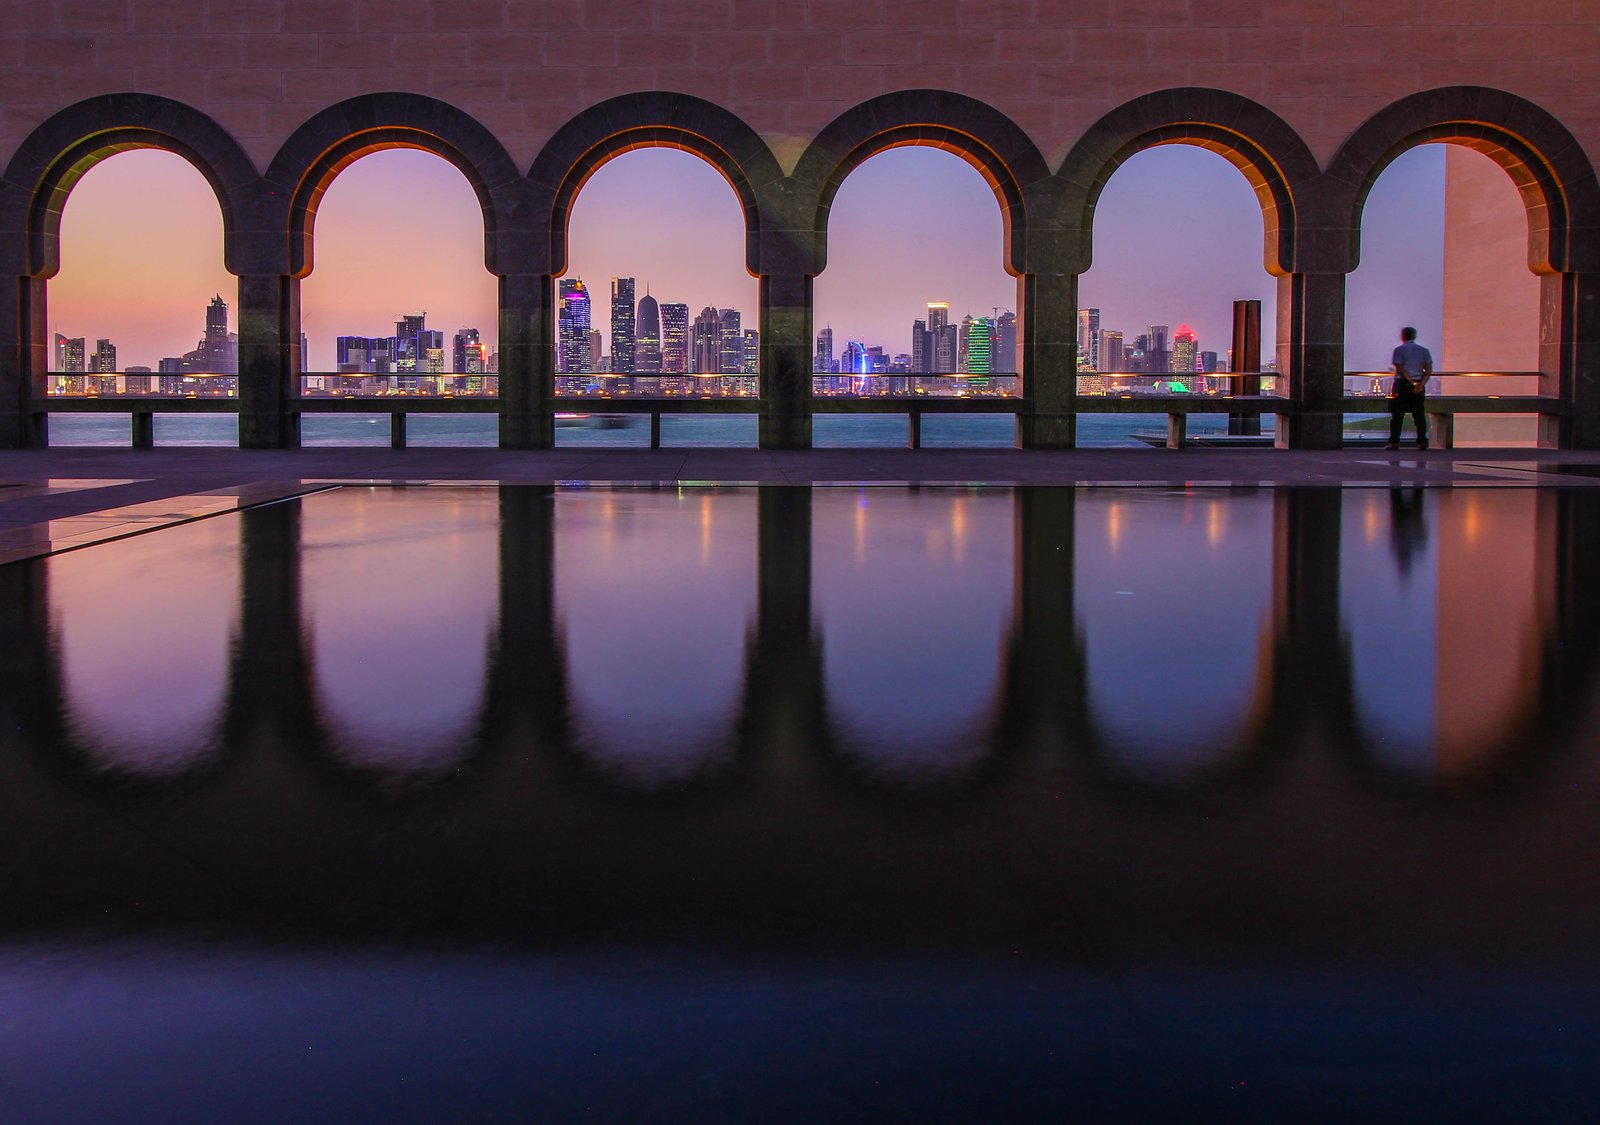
(143, 643)
(1173, 595)
(401, 597)
(655, 593)
(1449, 597)
(914, 593)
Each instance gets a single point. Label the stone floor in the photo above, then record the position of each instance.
(54, 499)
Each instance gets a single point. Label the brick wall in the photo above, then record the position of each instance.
(522, 67)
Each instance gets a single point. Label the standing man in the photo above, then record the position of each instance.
(1412, 366)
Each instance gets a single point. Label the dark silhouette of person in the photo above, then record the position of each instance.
(1408, 526)
(1412, 365)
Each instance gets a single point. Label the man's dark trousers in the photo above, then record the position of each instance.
(1407, 400)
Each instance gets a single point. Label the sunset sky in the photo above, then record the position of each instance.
(1177, 239)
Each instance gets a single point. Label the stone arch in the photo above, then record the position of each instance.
(976, 132)
(335, 138)
(1271, 155)
(57, 154)
(1547, 164)
(655, 119)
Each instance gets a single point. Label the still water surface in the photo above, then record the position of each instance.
(1313, 741)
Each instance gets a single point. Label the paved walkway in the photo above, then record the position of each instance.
(94, 480)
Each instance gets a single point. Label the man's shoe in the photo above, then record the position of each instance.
(1422, 447)
(1393, 445)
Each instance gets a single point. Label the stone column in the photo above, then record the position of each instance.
(269, 361)
(24, 360)
(786, 349)
(1311, 357)
(1569, 358)
(1048, 356)
(527, 361)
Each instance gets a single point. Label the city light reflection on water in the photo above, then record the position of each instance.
(1116, 732)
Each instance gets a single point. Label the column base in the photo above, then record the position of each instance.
(527, 431)
(277, 430)
(785, 431)
(1315, 430)
(1047, 431)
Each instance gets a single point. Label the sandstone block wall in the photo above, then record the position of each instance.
(787, 67)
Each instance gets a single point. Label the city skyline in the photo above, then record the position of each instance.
(363, 274)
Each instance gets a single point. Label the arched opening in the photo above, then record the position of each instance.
(144, 630)
(143, 304)
(656, 597)
(914, 594)
(656, 304)
(398, 304)
(1177, 261)
(1444, 249)
(401, 602)
(1173, 595)
(915, 303)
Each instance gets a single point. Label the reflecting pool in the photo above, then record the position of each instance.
(1294, 789)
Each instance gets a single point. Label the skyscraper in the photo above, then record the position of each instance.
(752, 352)
(1003, 347)
(1185, 350)
(919, 346)
(938, 315)
(647, 343)
(1088, 337)
(104, 359)
(218, 350)
(853, 360)
(572, 331)
(1158, 349)
(705, 352)
(69, 354)
(622, 325)
(978, 352)
(731, 360)
(674, 339)
(1111, 357)
(823, 360)
(465, 339)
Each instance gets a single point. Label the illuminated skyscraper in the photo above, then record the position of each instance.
(647, 342)
(1003, 346)
(822, 361)
(622, 325)
(1088, 337)
(853, 360)
(919, 346)
(69, 354)
(752, 352)
(460, 353)
(731, 361)
(597, 349)
(674, 339)
(705, 345)
(978, 352)
(572, 336)
(104, 359)
(1185, 350)
(938, 315)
